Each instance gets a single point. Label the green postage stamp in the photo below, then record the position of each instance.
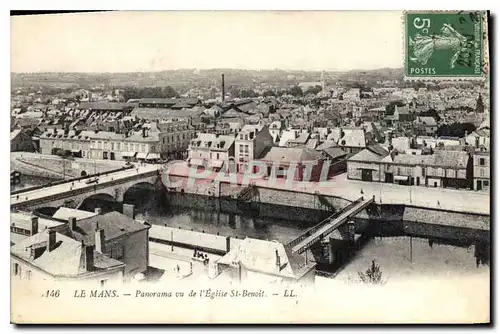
(446, 45)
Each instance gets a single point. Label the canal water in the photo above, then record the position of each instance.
(397, 256)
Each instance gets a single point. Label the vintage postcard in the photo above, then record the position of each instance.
(250, 167)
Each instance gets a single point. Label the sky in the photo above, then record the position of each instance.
(155, 41)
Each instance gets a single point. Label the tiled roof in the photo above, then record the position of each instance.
(65, 259)
(103, 105)
(262, 256)
(334, 152)
(65, 213)
(353, 138)
(113, 223)
(451, 158)
(366, 156)
(287, 154)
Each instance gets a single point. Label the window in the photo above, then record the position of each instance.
(143, 148)
(117, 252)
(163, 140)
(399, 171)
(28, 274)
(423, 171)
(481, 172)
(486, 183)
(99, 145)
(17, 269)
(481, 161)
(217, 156)
(112, 146)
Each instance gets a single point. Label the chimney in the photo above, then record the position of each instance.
(72, 223)
(34, 225)
(88, 256)
(51, 240)
(100, 240)
(98, 211)
(228, 244)
(223, 89)
(278, 261)
(129, 210)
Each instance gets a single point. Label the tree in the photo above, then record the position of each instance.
(269, 93)
(149, 92)
(391, 107)
(314, 90)
(246, 93)
(296, 91)
(455, 129)
(372, 275)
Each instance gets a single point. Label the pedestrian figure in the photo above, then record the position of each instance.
(17, 197)
(439, 204)
(362, 192)
(178, 269)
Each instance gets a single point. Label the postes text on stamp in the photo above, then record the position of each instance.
(445, 45)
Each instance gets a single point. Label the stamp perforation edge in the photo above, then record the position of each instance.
(484, 49)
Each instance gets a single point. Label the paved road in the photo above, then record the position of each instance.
(65, 187)
(466, 201)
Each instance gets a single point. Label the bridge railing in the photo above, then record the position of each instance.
(330, 228)
(20, 191)
(315, 228)
(83, 190)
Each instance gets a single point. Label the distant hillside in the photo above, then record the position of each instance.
(186, 78)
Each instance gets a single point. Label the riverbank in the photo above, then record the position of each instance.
(339, 190)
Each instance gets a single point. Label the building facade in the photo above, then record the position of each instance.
(481, 162)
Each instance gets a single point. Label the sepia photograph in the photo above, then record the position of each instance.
(250, 167)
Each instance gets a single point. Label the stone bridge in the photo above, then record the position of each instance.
(110, 187)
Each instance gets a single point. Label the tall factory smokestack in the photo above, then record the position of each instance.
(223, 89)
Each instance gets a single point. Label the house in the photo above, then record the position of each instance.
(337, 158)
(254, 260)
(209, 150)
(250, 143)
(352, 140)
(222, 153)
(300, 141)
(50, 255)
(199, 149)
(285, 162)
(426, 126)
(365, 165)
(21, 140)
(482, 167)
(24, 225)
(115, 235)
(77, 142)
(478, 138)
(441, 169)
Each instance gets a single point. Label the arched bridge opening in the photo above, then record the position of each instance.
(104, 201)
(142, 195)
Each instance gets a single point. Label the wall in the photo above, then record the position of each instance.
(51, 166)
(354, 171)
(40, 275)
(135, 252)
